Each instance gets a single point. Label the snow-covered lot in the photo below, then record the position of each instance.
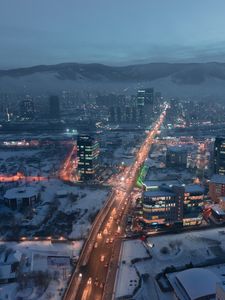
(178, 250)
(127, 277)
(32, 162)
(62, 210)
(43, 269)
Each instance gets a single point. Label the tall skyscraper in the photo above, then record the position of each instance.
(88, 152)
(54, 107)
(219, 156)
(149, 96)
(27, 108)
(145, 102)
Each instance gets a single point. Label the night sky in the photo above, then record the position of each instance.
(115, 32)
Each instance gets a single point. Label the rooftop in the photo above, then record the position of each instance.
(194, 188)
(20, 192)
(158, 193)
(219, 179)
(178, 149)
(197, 282)
(158, 183)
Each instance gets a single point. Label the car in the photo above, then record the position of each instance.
(89, 280)
(102, 258)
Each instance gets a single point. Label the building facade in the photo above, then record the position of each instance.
(54, 107)
(176, 157)
(27, 111)
(219, 156)
(217, 188)
(88, 152)
(173, 205)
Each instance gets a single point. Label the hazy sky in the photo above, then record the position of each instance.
(110, 31)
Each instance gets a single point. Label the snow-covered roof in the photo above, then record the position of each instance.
(61, 193)
(198, 282)
(6, 272)
(157, 183)
(220, 179)
(177, 149)
(194, 188)
(158, 193)
(20, 192)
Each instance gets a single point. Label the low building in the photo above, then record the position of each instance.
(7, 274)
(21, 197)
(161, 207)
(156, 184)
(194, 284)
(173, 204)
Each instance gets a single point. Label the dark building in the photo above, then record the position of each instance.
(54, 107)
(149, 96)
(145, 104)
(27, 109)
(176, 157)
(219, 156)
(88, 152)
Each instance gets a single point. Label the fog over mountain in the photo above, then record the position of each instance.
(200, 80)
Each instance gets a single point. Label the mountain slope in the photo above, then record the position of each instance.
(170, 78)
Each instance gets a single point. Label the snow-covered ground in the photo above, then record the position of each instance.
(68, 215)
(127, 277)
(31, 162)
(177, 250)
(38, 256)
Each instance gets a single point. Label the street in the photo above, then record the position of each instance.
(98, 263)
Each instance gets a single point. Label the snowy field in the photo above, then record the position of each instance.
(178, 250)
(43, 269)
(44, 161)
(62, 210)
(127, 277)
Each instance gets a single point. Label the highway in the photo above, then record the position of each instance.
(96, 270)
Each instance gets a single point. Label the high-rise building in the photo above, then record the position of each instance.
(54, 107)
(219, 156)
(149, 96)
(27, 108)
(88, 152)
(145, 102)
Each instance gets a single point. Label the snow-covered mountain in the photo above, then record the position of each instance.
(172, 79)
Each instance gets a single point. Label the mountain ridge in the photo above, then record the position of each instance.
(174, 77)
